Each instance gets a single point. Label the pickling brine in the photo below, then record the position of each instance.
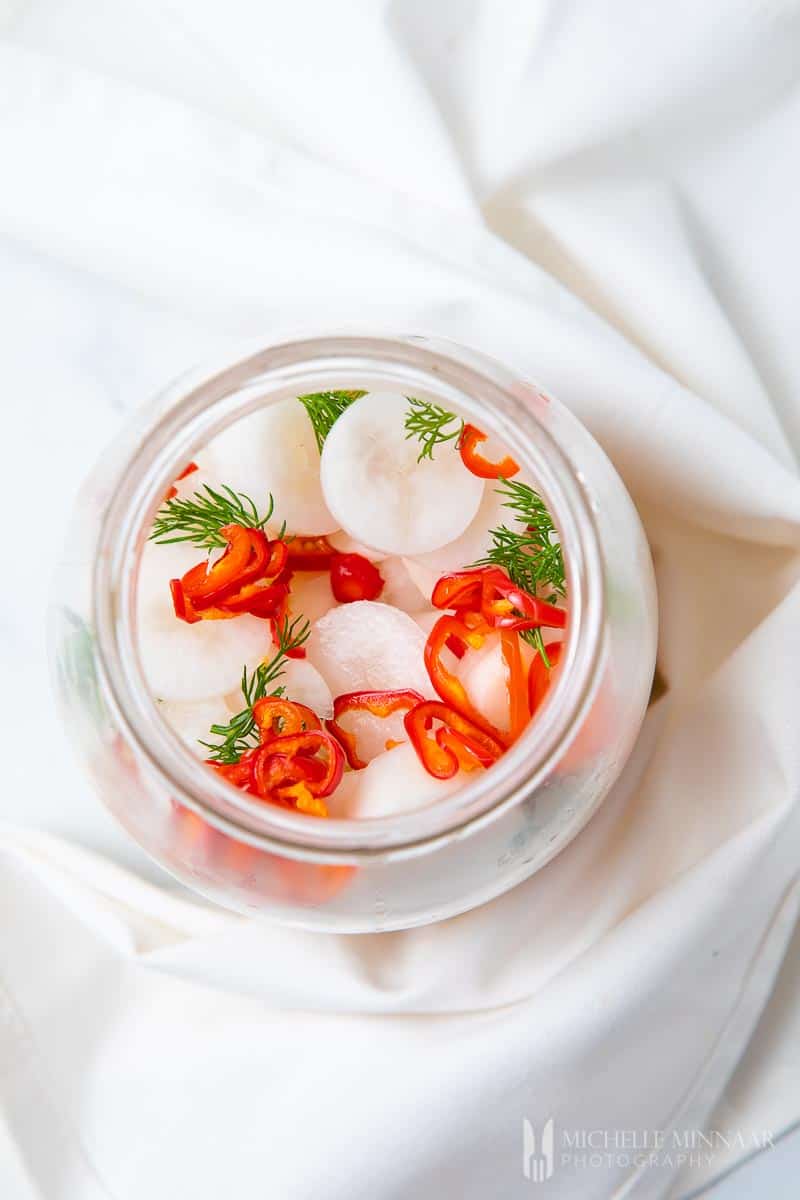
(351, 602)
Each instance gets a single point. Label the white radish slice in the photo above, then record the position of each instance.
(310, 596)
(381, 495)
(194, 662)
(157, 566)
(394, 782)
(427, 619)
(399, 586)
(476, 539)
(302, 682)
(369, 646)
(197, 480)
(423, 577)
(274, 450)
(485, 676)
(372, 732)
(342, 802)
(193, 721)
(234, 700)
(342, 542)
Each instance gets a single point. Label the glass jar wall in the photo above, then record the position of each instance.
(391, 872)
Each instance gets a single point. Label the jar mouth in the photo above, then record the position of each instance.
(187, 416)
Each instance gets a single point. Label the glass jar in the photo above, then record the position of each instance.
(392, 872)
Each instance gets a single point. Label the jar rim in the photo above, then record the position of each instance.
(198, 407)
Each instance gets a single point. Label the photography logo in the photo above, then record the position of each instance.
(537, 1152)
(582, 1149)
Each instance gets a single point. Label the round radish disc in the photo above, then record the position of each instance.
(423, 577)
(369, 646)
(485, 676)
(193, 662)
(394, 782)
(157, 566)
(310, 596)
(476, 539)
(302, 682)
(342, 542)
(400, 587)
(275, 450)
(192, 721)
(342, 803)
(372, 732)
(381, 495)
(427, 618)
(197, 481)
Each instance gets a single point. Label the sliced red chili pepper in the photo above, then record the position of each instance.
(183, 611)
(300, 796)
(503, 604)
(379, 704)
(459, 590)
(294, 747)
(484, 468)
(260, 599)
(313, 768)
(207, 582)
(354, 577)
(243, 580)
(290, 779)
(173, 491)
(268, 596)
(243, 561)
(275, 715)
(469, 754)
(540, 676)
(506, 606)
(543, 615)
(240, 774)
(278, 558)
(310, 553)
(475, 623)
(281, 779)
(448, 685)
(517, 684)
(437, 756)
(186, 611)
(272, 770)
(455, 646)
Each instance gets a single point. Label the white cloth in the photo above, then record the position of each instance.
(603, 195)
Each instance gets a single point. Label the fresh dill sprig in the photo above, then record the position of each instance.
(531, 552)
(431, 424)
(324, 408)
(240, 734)
(199, 518)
